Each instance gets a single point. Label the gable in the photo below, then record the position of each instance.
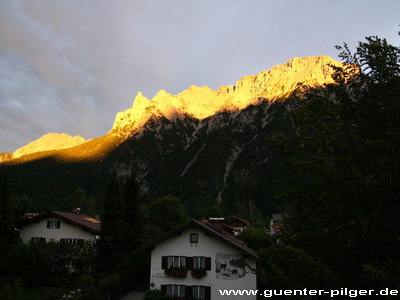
(53, 228)
(206, 233)
(207, 245)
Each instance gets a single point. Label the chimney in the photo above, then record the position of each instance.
(76, 210)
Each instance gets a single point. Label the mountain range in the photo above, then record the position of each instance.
(207, 147)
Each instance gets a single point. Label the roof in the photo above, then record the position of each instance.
(221, 227)
(80, 220)
(237, 222)
(222, 235)
(276, 217)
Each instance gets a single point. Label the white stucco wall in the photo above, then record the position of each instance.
(209, 246)
(66, 230)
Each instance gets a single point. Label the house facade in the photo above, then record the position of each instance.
(195, 261)
(277, 227)
(69, 227)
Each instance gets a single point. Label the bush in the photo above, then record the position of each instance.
(109, 285)
(156, 295)
(86, 281)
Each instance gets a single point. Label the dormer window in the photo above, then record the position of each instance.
(53, 224)
(194, 238)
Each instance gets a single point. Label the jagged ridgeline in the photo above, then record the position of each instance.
(207, 147)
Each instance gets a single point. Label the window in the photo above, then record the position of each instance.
(194, 238)
(37, 239)
(199, 262)
(189, 263)
(176, 290)
(53, 224)
(72, 241)
(198, 292)
(176, 262)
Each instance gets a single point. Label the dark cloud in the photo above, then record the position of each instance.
(71, 65)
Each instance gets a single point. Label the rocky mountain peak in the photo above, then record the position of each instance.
(49, 141)
(202, 102)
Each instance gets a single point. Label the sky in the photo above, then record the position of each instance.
(69, 66)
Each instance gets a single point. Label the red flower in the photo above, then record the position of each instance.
(176, 272)
(199, 273)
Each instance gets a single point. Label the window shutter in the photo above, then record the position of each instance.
(48, 224)
(164, 288)
(207, 295)
(189, 263)
(208, 263)
(58, 224)
(164, 262)
(188, 292)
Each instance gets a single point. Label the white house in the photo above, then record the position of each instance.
(277, 226)
(196, 261)
(72, 228)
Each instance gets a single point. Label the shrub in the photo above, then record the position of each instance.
(156, 295)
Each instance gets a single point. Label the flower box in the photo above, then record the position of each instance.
(198, 273)
(176, 272)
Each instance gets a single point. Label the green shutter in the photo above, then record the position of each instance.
(207, 293)
(188, 292)
(208, 263)
(164, 262)
(189, 263)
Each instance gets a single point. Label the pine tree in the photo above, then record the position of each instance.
(131, 226)
(108, 251)
(120, 224)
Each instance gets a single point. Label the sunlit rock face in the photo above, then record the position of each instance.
(49, 141)
(5, 156)
(202, 102)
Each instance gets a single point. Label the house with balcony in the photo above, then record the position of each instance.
(69, 227)
(196, 261)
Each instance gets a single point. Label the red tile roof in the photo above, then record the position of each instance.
(238, 222)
